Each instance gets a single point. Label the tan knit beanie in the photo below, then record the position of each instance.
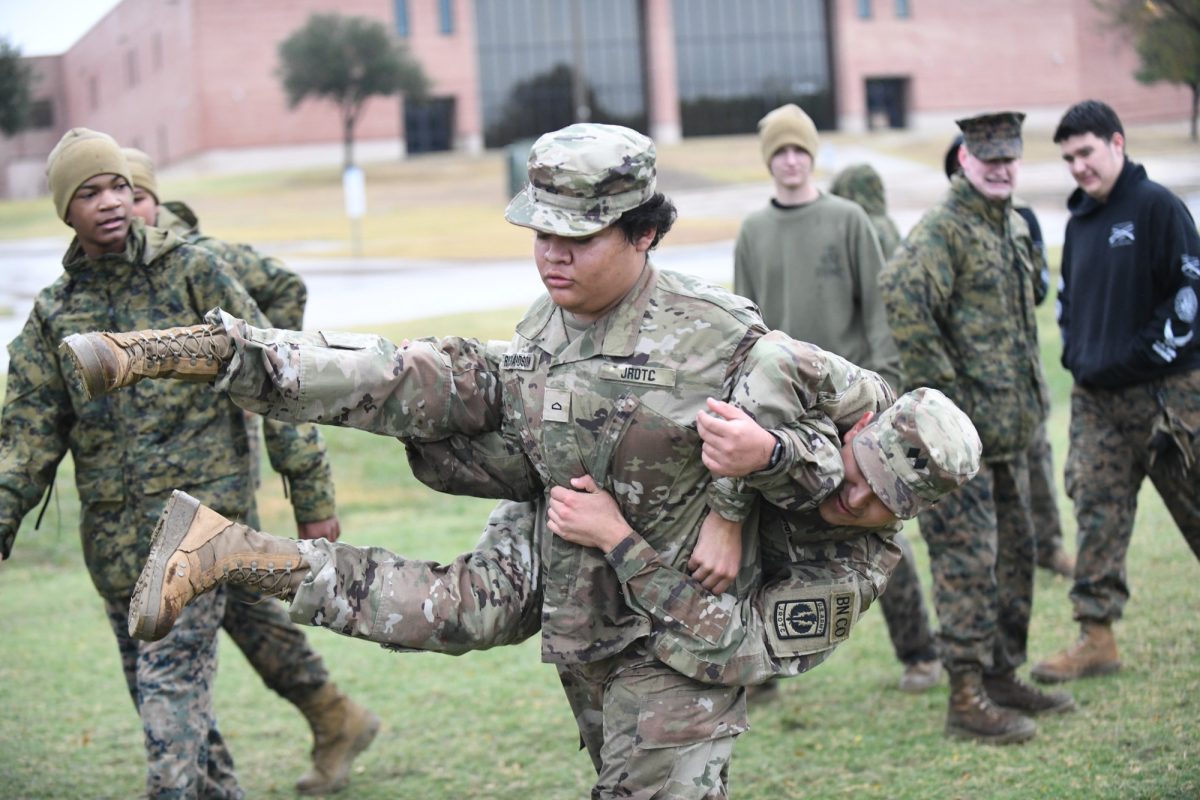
(81, 154)
(141, 167)
(787, 125)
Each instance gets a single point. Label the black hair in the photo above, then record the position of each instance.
(950, 160)
(657, 214)
(1090, 116)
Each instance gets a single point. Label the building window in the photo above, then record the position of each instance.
(131, 68)
(446, 16)
(737, 61)
(156, 51)
(41, 114)
(94, 92)
(402, 18)
(902, 9)
(864, 9)
(544, 64)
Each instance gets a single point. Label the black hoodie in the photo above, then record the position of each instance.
(1130, 278)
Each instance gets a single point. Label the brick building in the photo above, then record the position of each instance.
(194, 80)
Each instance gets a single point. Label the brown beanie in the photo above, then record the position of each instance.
(141, 167)
(787, 125)
(81, 154)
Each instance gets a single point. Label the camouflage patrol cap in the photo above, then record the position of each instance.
(992, 136)
(141, 167)
(918, 450)
(582, 178)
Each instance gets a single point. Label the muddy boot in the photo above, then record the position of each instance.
(1095, 653)
(1010, 691)
(341, 730)
(920, 676)
(1060, 562)
(972, 714)
(108, 361)
(193, 549)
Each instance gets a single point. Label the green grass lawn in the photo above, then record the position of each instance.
(495, 725)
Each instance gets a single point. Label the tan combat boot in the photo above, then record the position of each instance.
(1010, 691)
(972, 714)
(1059, 562)
(193, 550)
(1095, 653)
(109, 361)
(920, 676)
(341, 730)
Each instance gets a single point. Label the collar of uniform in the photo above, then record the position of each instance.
(76, 261)
(967, 196)
(618, 331)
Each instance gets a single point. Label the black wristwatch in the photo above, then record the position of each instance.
(776, 453)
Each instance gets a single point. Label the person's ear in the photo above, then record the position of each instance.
(863, 422)
(1118, 140)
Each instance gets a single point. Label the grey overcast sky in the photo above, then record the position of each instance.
(49, 27)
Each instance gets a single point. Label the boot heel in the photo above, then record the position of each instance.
(144, 620)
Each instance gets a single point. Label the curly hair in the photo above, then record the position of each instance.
(657, 214)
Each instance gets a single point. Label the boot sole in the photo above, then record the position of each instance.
(83, 355)
(1090, 672)
(1015, 737)
(144, 605)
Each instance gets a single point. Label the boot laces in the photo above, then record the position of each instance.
(188, 344)
(269, 580)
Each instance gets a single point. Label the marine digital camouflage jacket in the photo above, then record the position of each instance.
(131, 448)
(960, 301)
(618, 402)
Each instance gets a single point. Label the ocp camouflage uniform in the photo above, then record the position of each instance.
(959, 296)
(616, 402)
(130, 450)
(903, 605)
(260, 627)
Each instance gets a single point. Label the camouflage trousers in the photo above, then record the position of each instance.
(651, 732)
(981, 546)
(903, 606)
(171, 683)
(490, 596)
(1109, 458)
(1043, 497)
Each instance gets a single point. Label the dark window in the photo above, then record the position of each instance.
(429, 124)
(446, 16)
(864, 9)
(41, 114)
(402, 18)
(156, 51)
(131, 68)
(887, 103)
(94, 92)
(902, 9)
(544, 64)
(737, 61)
